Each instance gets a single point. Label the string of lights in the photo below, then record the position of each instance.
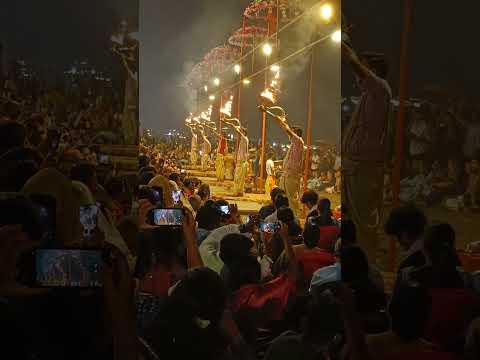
(326, 11)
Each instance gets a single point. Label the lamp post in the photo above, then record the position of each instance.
(400, 124)
(308, 155)
(267, 51)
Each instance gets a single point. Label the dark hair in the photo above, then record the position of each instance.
(201, 295)
(297, 130)
(84, 173)
(208, 217)
(145, 177)
(408, 220)
(280, 201)
(309, 197)
(188, 183)
(354, 264)
(439, 244)
(409, 312)
(20, 211)
(325, 212)
(275, 192)
(174, 177)
(377, 63)
(233, 246)
(12, 135)
(143, 161)
(311, 234)
(15, 174)
(203, 191)
(285, 215)
(243, 271)
(348, 233)
(159, 245)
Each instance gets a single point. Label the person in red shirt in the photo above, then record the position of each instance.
(310, 255)
(267, 302)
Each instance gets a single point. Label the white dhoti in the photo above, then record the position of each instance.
(291, 185)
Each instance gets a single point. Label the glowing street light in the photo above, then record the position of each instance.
(211, 97)
(216, 81)
(237, 68)
(267, 49)
(326, 12)
(205, 88)
(275, 68)
(337, 36)
(246, 81)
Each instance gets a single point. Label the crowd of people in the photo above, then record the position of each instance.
(442, 155)
(270, 286)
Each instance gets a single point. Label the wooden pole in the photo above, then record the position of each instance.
(308, 155)
(400, 124)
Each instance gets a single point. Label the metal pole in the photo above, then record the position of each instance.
(308, 155)
(400, 124)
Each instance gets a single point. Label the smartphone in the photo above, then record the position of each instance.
(68, 268)
(270, 227)
(46, 207)
(89, 219)
(168, 217)
(225, 209)
(176, 196)
(156, 195)
(104, 159)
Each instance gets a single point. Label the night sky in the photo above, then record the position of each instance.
(444, 40)
(54, 33)
(176, 34)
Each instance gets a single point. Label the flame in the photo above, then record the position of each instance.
(268, 94)
(227, 108)
(206, 115)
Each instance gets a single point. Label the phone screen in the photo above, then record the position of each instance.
(68, 268)
(156, 196)
(269, 227)
(176, 196)
(103, 159)
(168, 217)
(225, 209)
(46, 209)
(88, 219)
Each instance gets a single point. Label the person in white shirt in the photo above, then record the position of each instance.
(270, 169)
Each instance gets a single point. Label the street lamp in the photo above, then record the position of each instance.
(326, 12)
(216, 81)
(246, 81)
(211, 97)
(237, 68)
(337, 36)
(267, 49)
(205, 88)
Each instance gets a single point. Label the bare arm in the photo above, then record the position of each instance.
(290, 254)
(194, 259)
(360, 69)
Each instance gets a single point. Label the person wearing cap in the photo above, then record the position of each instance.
(292, 164)
(364, 146)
